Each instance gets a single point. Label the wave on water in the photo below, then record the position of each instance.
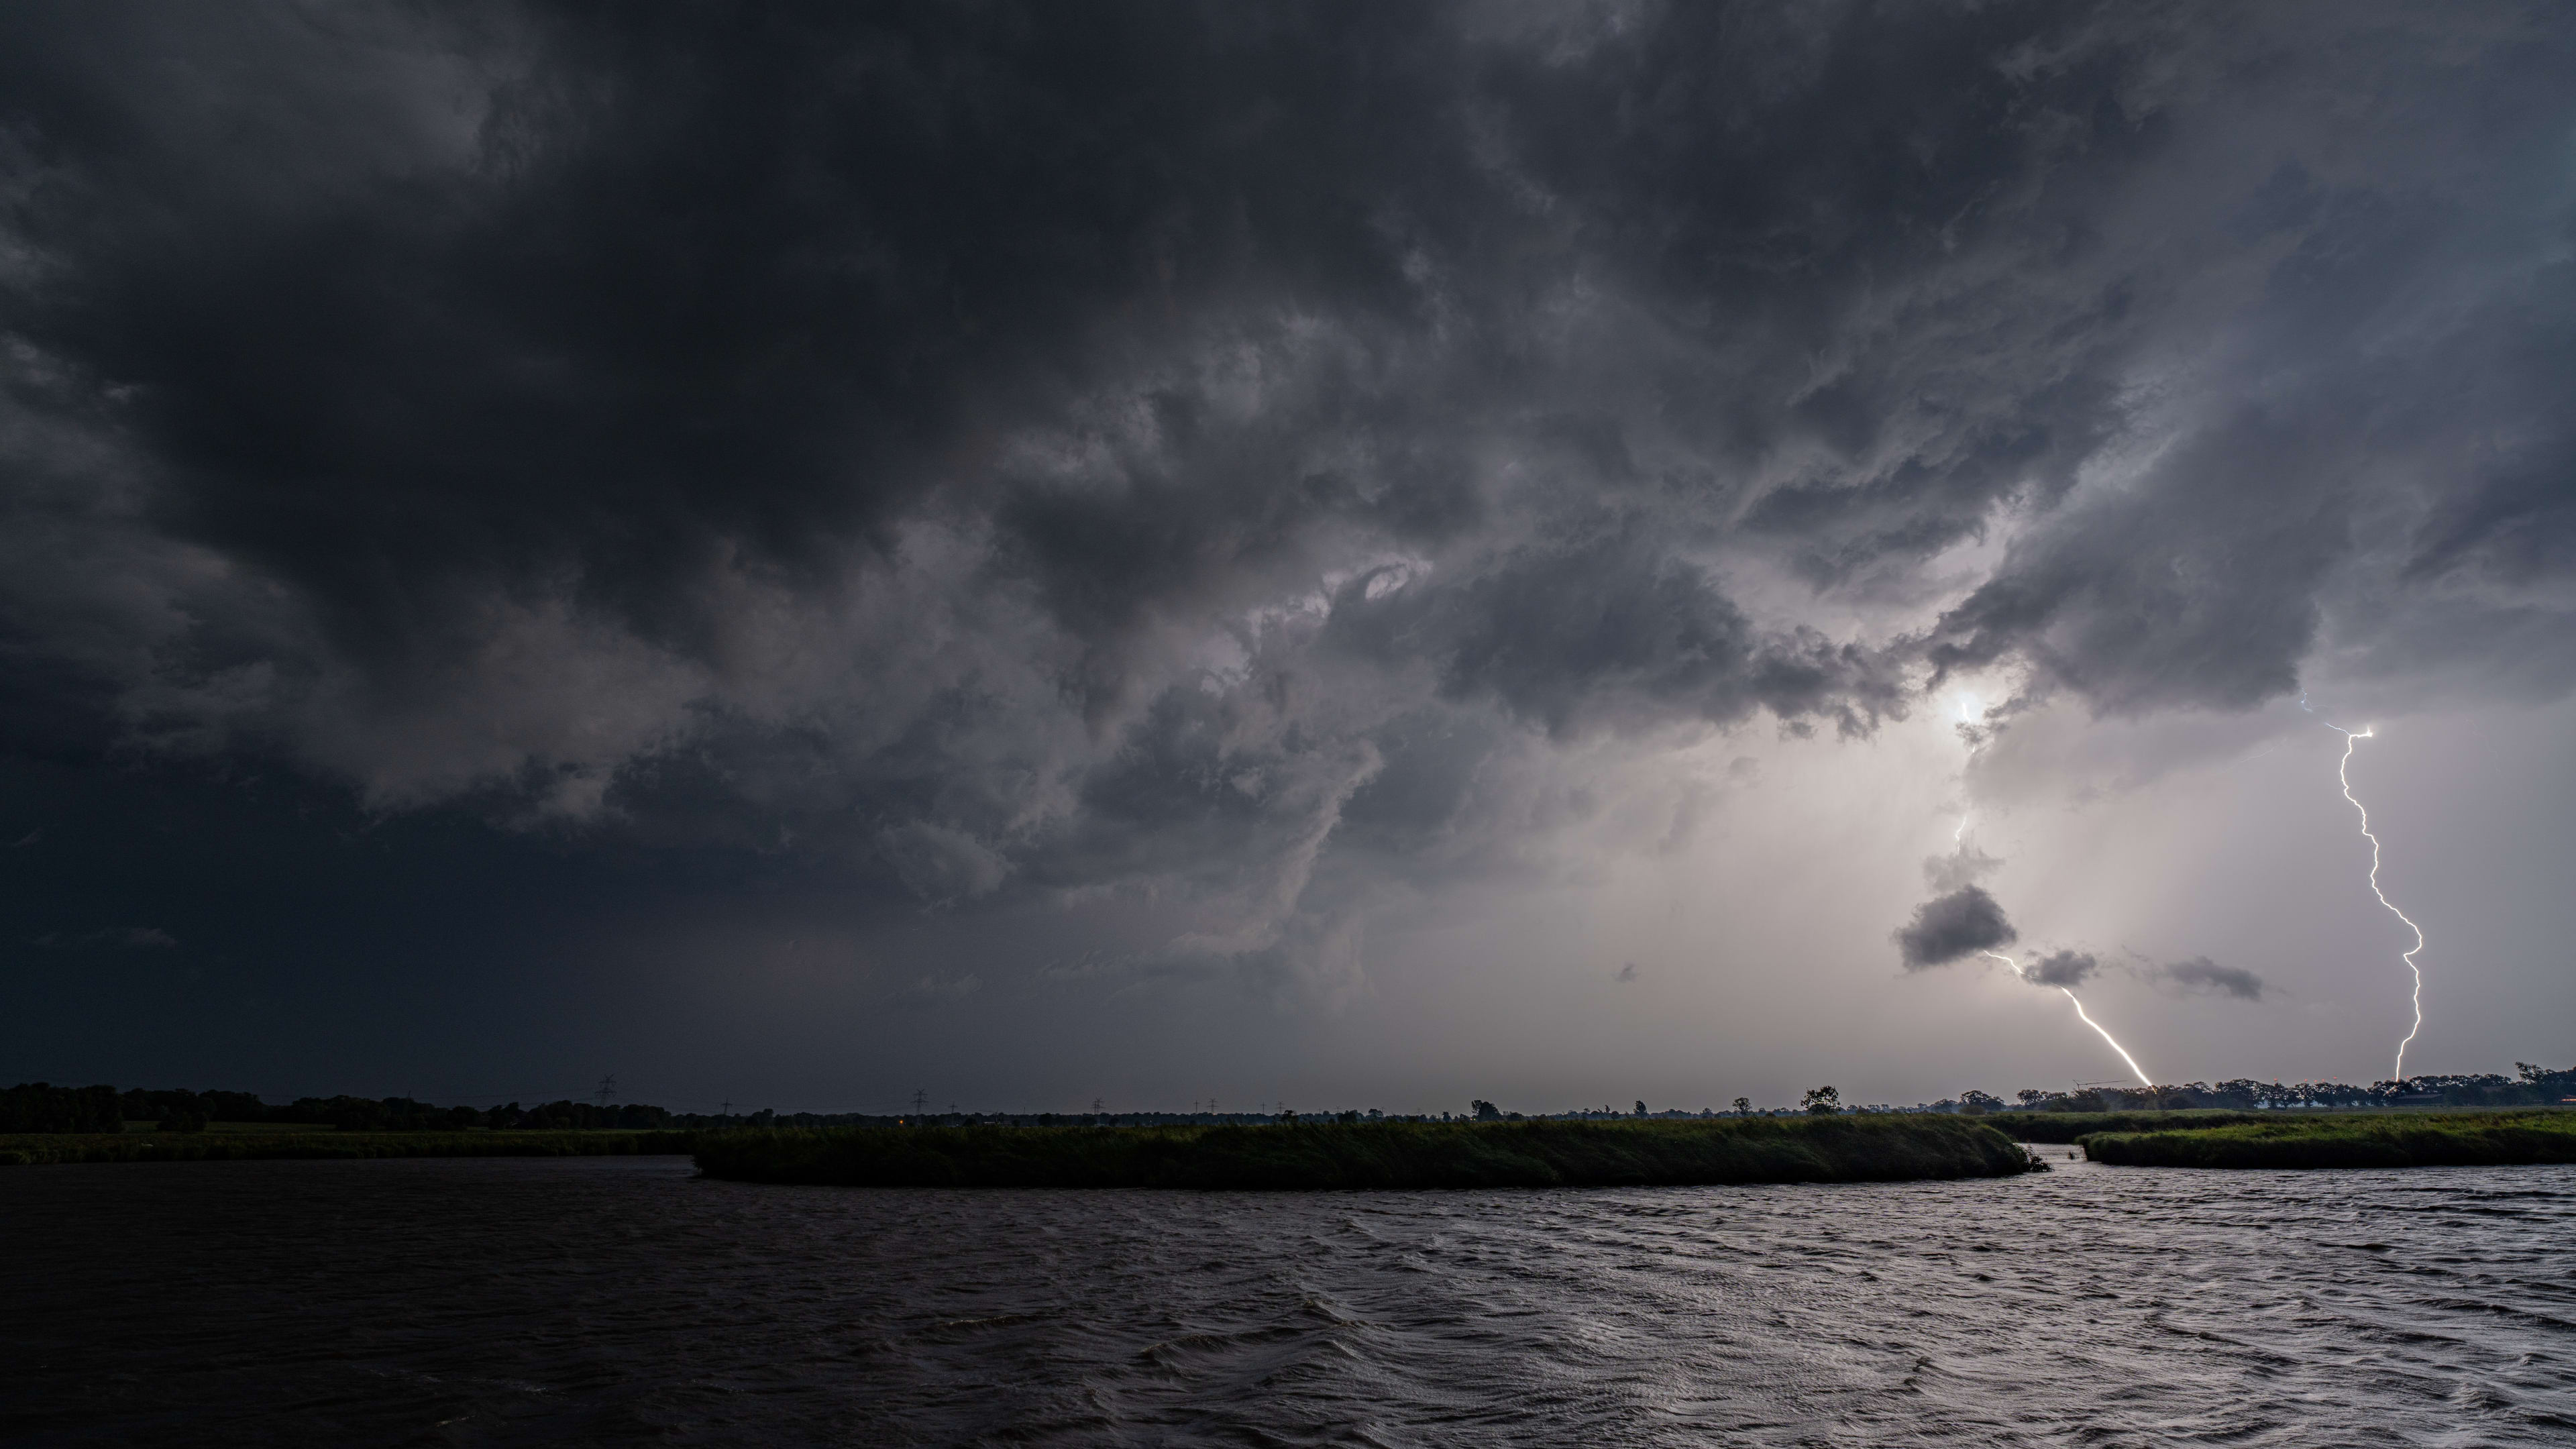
(492, 1301)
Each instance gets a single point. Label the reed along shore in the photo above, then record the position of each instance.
(2390, 1139)
(1328, 1155)
(24, 1149)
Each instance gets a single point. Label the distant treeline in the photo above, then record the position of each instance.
(24, 1149)
(37, 1107)
(2534, 1086)
(40, 1107)
(43, 1108)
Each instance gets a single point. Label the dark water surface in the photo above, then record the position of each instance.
(617, 1300)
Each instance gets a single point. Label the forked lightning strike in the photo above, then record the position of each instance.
(2140, 1072)
(1959, 838)
(2342, 768)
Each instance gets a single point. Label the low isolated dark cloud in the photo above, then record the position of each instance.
(2202, 974)
(1951, 927)
(2060, 968)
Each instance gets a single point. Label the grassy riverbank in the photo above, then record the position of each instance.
(1375, 1155)
(30, 1148)
(2076, 1126)
(2391, 1139)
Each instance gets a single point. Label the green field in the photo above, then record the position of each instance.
(2377, 1139)
(1375, 1154)
(23, 1149)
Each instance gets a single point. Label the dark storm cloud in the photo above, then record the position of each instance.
(129, 938)
(2060, 968)
(1610, 631)
(1952, 927)
(2353, 442)
(2202, 974)
(2202, 593)
(1025, 448)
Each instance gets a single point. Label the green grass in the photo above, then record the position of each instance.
(2381, 1139)
(24, 1149)
(1373, 1155)
(2074, 1126)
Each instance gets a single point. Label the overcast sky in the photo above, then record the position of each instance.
(1348, 554)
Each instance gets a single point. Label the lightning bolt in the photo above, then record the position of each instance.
(2138, 1071)
(2343, 774)
(1959, 838)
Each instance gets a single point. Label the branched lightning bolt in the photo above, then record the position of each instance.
(1959, 838)
(2138, 1071)
(2342, 773)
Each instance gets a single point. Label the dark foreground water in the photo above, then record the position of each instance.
(608, 1300)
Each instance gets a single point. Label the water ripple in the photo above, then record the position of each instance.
(606, 1300)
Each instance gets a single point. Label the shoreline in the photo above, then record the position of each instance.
(1325, 1155)
(1390, 1155)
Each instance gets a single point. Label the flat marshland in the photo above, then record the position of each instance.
(261, 1140)
(1327, 1155)
(2075, 1126)
(1408, 1154)
(2378, 1139)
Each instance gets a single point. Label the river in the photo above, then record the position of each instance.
(606, 1300)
